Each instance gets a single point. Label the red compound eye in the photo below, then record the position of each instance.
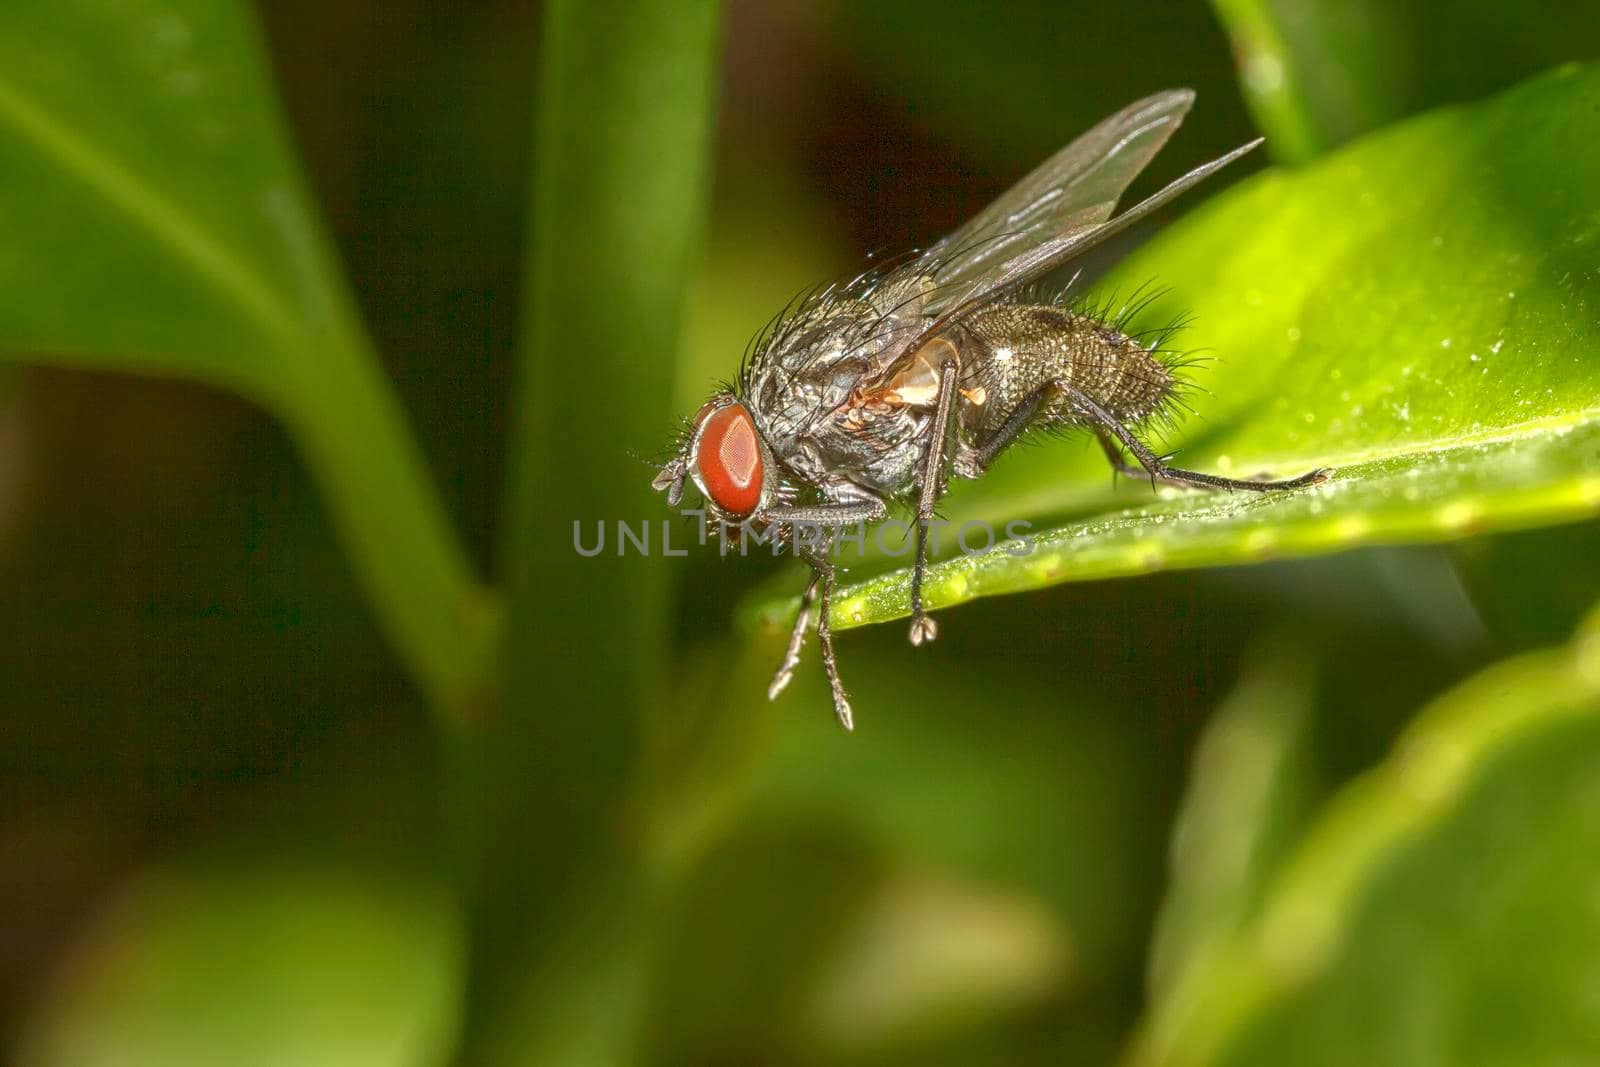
(729, 460)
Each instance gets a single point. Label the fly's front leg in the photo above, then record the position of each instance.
(922, 627)
(1157, 467)
(823, 576)
(797, 637)
(867, 509)
(820, 588)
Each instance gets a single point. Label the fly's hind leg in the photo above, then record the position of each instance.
(1108, 425)
(1120, 465)
(1112, 434)
(923, 628)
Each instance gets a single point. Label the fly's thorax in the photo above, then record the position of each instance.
(802, 373)
(876, 444)
(804, 382)
(878, 436)
(1017, 348)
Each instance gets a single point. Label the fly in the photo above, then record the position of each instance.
(876, 392)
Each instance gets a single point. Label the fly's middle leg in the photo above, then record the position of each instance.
(923, 628)
(1114, 456)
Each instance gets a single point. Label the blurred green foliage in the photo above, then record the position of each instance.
(1193, 817)
(1254, 781)
(1441, 905)
(299, 959)
(149, 179)
(1317, 73)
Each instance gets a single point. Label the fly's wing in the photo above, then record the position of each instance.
(1061, 210)
(1071, 193)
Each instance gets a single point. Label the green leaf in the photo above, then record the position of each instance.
(292, 960)
(1440, 909)
(155, 222)
(1317, 73)
(1417, 311)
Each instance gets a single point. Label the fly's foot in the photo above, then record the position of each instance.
(841, 708)
(1313, 477)
(923, 630)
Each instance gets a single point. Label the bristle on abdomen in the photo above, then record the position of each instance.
(1021, 347)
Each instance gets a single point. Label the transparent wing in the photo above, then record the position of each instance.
(1050, 253)
(1072, 192)
(1061, 210)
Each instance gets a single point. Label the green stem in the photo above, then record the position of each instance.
(622, 130)
(1271, 80)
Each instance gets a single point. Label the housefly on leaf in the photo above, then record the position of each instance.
(874, 392)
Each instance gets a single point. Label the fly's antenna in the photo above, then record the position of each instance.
(652, 461)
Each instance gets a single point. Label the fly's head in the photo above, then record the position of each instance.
(724, 454)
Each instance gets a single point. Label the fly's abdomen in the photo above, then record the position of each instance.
(1018, 348)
